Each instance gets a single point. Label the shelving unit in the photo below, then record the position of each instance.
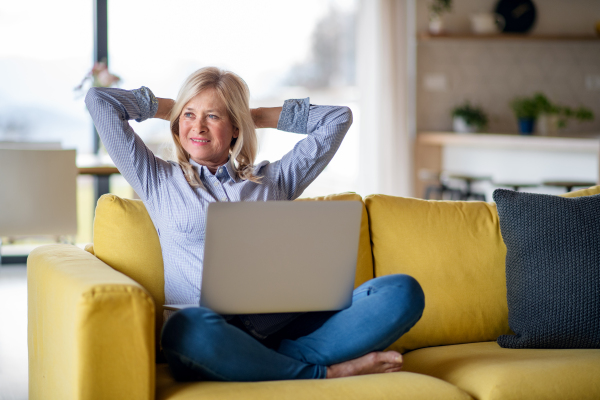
(431, 149)
(423, 37)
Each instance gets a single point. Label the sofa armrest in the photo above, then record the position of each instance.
(90, 329)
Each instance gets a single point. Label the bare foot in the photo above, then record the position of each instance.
(372, 363)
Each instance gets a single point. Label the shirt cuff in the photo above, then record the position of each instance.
(294, 116)
(147, 102)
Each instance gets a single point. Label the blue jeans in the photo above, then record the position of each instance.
(200, 344)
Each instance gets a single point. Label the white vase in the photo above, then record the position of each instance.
(460, 126)
(436, 24)
(547, 125)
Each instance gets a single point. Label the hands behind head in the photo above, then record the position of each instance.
(266, 117)
(164, 108)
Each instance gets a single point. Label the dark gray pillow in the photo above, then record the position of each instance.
(552, 269)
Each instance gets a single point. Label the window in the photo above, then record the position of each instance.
(282, 49)
(43, 56)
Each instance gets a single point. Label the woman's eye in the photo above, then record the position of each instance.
(188, 115)
(212, 116)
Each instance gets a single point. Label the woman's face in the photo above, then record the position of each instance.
(205, 130)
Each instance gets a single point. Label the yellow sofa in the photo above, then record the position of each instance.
(95, 315)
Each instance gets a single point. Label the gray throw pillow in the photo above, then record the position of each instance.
(552, 269)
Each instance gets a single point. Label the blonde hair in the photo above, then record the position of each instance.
(234, 93)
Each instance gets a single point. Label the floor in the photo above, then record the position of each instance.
(13, 332)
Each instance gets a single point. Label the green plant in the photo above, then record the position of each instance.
(473, 116)
(533, 107)
(564, 113)
(525, 107)
(438, 7)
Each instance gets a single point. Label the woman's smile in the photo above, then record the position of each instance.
(199, 142)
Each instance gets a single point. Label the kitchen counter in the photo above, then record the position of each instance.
(506, 157)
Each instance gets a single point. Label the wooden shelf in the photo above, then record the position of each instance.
(424, 37)
(586, 144)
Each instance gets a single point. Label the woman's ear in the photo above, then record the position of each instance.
(236, 132)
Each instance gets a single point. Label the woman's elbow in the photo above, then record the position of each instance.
(90, 96)
(345, 116)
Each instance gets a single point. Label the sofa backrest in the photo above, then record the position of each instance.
(125, 239)
(456, 252)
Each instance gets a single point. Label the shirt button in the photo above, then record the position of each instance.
(223, 198)
(220, 170)
(216, 183)
(247, 323)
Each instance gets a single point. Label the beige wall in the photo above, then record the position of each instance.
(490, 73)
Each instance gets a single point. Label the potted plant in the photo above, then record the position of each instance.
(468, 119)
(526, 110)
(553, 117)
(436, 9)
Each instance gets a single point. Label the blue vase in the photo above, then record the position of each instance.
(526, 126)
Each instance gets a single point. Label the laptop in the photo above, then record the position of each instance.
(279, 256)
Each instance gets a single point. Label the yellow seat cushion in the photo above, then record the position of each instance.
(455, 250)
(488, 372)
(398, 385)
(125, 239)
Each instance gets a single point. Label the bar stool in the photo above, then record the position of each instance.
(516, 185)
(441, 188)
(468, 181)
(569, 185)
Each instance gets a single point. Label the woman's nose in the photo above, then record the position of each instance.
(200, 125)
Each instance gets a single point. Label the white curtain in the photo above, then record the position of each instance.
(386, 60)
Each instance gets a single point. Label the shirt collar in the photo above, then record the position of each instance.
(228, 171)
(231, 171)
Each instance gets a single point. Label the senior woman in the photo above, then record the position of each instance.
(213, 131)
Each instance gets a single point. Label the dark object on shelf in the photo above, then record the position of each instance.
(519, 15)
(526, 126)
(569, 185)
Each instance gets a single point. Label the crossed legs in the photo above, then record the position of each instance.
(200, 344)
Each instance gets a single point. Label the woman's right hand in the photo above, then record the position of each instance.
(164, 108)
(265, 117)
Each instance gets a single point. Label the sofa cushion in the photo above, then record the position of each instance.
(398, 385)
(455, 250)
(488, 372)
(552, 269)
(125, 239)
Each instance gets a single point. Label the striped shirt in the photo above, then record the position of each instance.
(178, 210)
